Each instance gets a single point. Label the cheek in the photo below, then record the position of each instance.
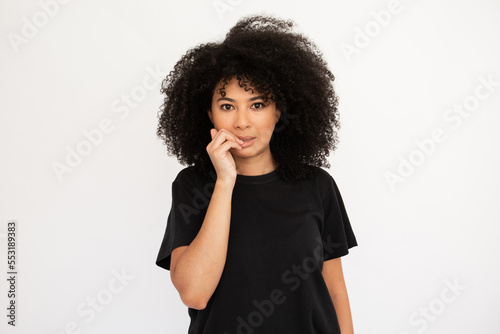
(267, 122)
(270, 125)
(265, 133)
(221, 119)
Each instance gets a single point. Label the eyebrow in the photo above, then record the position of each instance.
(250, 99)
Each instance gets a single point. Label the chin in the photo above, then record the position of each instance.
(240, 151)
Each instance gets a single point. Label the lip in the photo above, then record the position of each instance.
(247, 143)
(246, 138)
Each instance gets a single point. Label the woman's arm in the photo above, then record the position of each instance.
(197, 271)
(334, 278)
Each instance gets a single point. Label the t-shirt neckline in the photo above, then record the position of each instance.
(257, 179)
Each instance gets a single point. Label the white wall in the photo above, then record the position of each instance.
(438, 225)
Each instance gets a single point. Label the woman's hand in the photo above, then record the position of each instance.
(222, 159)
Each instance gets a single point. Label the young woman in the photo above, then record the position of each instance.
(257, 228)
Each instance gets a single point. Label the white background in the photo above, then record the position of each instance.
(107, 213)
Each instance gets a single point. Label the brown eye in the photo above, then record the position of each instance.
(262, 105)
(222, 106)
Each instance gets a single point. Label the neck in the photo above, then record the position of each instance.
(255, 165)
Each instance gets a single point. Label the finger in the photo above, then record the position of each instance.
(236, 139)
(213, 133)
(229, 136)
(227, 145)
(222, 136)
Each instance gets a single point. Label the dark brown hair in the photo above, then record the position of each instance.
(285, 66)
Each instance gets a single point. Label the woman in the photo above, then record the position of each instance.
(256, 229)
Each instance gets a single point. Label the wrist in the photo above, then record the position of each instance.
(225, 183)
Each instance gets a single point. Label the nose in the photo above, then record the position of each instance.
(242, 120)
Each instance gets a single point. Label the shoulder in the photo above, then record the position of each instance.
(190, 177)
(185, 174)
(323, 181)
(321, 176)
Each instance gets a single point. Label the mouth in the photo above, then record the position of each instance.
(247, 141)
(246, 138)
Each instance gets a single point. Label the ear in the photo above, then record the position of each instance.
(278, 115)
(209, 112)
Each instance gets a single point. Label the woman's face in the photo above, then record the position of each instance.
(244, 114)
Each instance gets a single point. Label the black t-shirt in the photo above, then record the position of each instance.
(280, 235)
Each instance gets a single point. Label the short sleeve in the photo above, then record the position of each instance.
(183, 223)
(337, 233)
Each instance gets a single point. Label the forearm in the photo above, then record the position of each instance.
(341, 302)
(200, 267)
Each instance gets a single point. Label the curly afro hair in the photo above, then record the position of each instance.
(283, 66)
